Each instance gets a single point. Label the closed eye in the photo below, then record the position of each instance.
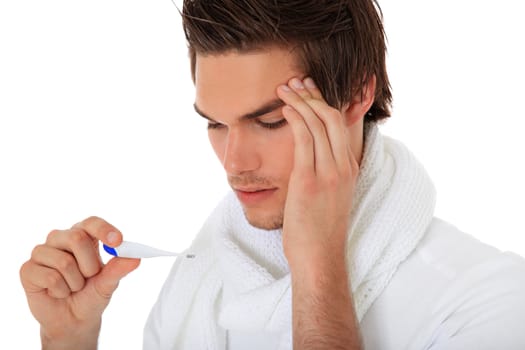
(274, 125)
(214, 125)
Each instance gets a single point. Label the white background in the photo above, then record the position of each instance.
(96, 119)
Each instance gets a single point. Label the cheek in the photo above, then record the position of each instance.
(279, 150)
(217, 142)
(275, 146)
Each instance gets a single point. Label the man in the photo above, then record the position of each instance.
(328, 240)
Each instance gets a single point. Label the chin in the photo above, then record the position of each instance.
(264, 222)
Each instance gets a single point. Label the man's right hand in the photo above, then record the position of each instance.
(67, 285)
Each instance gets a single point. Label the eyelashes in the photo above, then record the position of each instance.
(212, 125)
(275, 125)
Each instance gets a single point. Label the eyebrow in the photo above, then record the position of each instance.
(264, 109)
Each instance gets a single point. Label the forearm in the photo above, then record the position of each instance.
(323, 312)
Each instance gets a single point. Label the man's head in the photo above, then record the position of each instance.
(241, 51)
(339, 43)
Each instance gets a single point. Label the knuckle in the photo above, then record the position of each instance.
(24, 270)
(332, 181)
(318, 104)
(66, 264)
(346, 171)
(53, 280)
(51, 234)
(95, 226)
(92, 218)
(36, 250)
(317, 124)
(27, 277)
(78, 237)
(306, 96)
(309, 184)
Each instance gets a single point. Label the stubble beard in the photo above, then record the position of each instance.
(268, 223)
(271, 221)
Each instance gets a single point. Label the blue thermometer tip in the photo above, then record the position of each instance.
(110, 250)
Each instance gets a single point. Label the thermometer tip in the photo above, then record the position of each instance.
(110, 250)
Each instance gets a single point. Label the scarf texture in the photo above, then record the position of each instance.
(239, 280)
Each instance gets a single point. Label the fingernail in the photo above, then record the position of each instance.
(285, 88)
(309, 82)
(296, 83)
(112, 237)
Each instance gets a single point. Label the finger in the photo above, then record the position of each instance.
(101, 287)
(37, 278)
(304, 144)
(333, 121)
(81, 245)
(113, 272)
(101, 230)
(313, 89)
(322, 151)
(336, 131)
(299, 88)
(61, 261)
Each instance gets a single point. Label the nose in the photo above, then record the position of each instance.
(240, 154)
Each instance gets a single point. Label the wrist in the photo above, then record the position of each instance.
(64, 339)
(320, 271)
(317, 257)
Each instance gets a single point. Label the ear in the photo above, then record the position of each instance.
(361, 103)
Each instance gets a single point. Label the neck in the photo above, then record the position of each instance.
(356, 134)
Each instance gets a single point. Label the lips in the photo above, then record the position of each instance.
(251, 190)
(253, 196)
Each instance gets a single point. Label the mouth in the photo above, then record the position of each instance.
(252, 196)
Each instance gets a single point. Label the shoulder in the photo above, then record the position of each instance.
(447, 251)
(458, 260)
(453, 290)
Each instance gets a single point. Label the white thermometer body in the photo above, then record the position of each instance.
(136, 250)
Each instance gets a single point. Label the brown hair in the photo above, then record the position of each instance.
(339, 43)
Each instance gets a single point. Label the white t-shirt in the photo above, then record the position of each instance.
(453, 292)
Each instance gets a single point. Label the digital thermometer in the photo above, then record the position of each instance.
(138, 251)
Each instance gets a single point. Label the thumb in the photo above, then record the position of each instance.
(109, 277)
(106, 281)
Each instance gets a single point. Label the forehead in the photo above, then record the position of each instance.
(232, 84)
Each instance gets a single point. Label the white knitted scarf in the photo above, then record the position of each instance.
(239, 280)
